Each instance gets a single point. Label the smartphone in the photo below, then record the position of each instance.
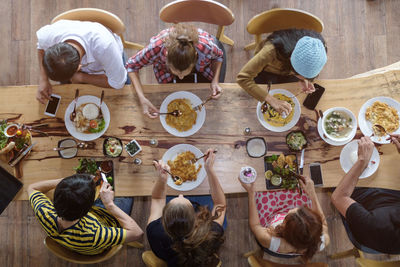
(312, 99)
(52, 105)
(316, 174)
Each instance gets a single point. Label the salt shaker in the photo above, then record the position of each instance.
(137, 161)
(246, 130)
(153, 143)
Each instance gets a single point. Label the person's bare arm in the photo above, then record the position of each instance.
(214, 86)
(95, 79)
(217, 193)
(148, 108)
(44, 89)
(158, 195)
(43, 186)
(341, 197)
(134, 232)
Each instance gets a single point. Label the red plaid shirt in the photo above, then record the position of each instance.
(156, 53)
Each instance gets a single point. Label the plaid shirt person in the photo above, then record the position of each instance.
(156, 53)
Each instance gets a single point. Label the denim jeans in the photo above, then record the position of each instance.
(124, 203)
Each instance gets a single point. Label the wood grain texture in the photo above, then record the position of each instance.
(361, 35)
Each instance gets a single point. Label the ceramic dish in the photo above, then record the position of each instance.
(329, 141)
(353, 124)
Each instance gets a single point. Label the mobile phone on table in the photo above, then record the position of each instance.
(316, 174)
(312, 99)
(52, 105)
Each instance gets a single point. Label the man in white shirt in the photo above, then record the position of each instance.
(79, 52)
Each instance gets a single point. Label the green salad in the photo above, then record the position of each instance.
(3, 137)
(98, 126)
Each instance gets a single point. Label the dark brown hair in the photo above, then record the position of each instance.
(181, 46)
(302, 229)
(193, 240)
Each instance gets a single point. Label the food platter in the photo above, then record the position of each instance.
(172, 153)
(194, 100)
(291, 123)
(11, 145)
(70, 125)
(366, 126)
(347, 164)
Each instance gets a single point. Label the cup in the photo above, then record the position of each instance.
(247, 175)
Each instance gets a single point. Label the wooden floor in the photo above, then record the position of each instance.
(361, 35)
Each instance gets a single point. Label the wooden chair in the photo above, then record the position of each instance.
(207, 11)
(108, 19)
(281, 19)
(151, 260)
(372, 263)
(72, 256)
(255, 259)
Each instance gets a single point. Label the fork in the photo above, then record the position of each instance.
(193, 161)
(198, 107)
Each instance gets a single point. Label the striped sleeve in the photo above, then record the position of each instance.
(44, 212)
(108, 237)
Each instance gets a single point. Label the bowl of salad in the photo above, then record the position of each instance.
(112, 147)
(339, 124)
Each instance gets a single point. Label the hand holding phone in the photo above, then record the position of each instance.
(52, 105)
(312, 99)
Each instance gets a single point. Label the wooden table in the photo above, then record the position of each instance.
(223, 129)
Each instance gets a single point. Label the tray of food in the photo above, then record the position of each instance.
(279, 171)
(91, 166)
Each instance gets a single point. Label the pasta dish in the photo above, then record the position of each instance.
(183, 168)
(185, 121)
(274, 118)
(384, 115)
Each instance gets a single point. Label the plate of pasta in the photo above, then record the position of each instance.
(178, 158)
(190, 121)
(274, 121)
(383, 111)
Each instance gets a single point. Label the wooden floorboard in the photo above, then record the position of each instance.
(361, 35)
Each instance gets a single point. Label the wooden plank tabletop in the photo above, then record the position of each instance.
(223, 129)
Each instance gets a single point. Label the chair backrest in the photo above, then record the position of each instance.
(255, 261)
(108, 19)
(72, 256)
(363, 262)
(207, 11)
(151, 260)
(282, 19)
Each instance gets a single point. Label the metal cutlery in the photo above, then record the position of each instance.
(175, 113)
(193, 161)
(198, 107)
(73, 113)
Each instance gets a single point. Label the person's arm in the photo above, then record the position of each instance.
(148, 108)
(253, 67)
(309, 189)
(43, 186)
(134, 232)
(341, 197)
(214, 86)
(217, 193)
(44, 89)
(261, 233)
(100, 80)
(158, 195)
(395, 139)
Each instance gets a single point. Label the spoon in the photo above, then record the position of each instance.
(175, 113)
(379, 128)
(174, 177)
(73, 114)
(193, 161)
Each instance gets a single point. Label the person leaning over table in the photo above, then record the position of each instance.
(74, 222)
(287, 224)
(371, 215)
(183, 234)
(285, 56)
(73, 51)
(177, 52)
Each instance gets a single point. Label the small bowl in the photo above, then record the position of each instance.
(8, 127)
(292, 132)
(104, 147)
(67, 142)
(353, 123)
(139, 148)
(256, 138)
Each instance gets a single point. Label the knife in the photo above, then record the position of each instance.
(18, 159)
(302, 161)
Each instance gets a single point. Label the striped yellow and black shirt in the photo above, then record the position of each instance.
(92, 234)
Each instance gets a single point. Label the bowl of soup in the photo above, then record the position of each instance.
(339, 124)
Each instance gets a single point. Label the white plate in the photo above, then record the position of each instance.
(172, 153)
(366, 126)
(295, 118)
(329, 141)
(70, 125)
(346, 163)
(194, 100)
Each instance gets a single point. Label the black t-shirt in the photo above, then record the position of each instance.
(161, 243)
(374, 220)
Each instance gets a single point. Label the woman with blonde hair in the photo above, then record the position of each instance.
(181, 232)
(177, 52)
